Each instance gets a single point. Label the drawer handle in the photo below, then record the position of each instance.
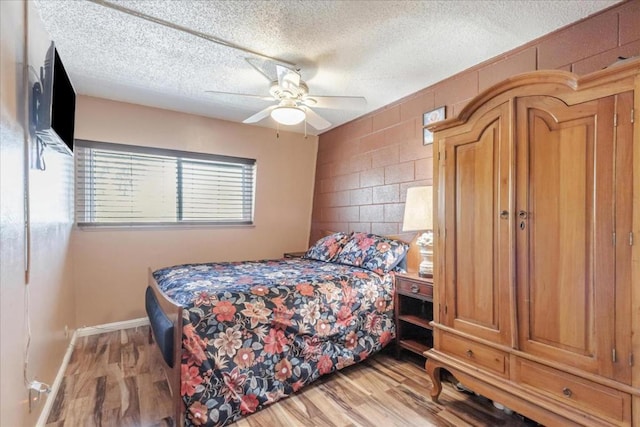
(469, 353)
(567, 392)
(415, 288)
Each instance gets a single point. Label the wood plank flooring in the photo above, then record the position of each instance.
(112, 380)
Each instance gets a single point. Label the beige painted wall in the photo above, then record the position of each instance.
(110, 265)
(52, 300)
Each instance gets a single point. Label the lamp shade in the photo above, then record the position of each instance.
(288, 115)
(418, 209)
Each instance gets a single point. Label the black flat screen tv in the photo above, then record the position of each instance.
(55, 104)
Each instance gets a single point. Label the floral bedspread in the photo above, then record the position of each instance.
(255, 332)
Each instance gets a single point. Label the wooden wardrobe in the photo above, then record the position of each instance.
(537, 278)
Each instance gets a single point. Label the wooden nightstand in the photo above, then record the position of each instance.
(294, 254)
(413, 312)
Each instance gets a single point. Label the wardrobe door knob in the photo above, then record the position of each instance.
(567, 392)
(469, 353)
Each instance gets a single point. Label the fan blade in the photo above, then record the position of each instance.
(337, 102)
(243, 95)
(263, 114)
(267, 68)
(315, 120)
(261, 67)
(288, 79)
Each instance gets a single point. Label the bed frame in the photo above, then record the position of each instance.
(173, 313)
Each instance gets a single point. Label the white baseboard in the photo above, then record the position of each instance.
(110, 327)
(81, 332)
(51, 397)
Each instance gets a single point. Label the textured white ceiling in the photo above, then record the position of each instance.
(382, 50)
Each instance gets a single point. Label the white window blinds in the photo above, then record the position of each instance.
(120, 185)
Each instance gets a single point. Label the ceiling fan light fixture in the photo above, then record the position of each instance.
(287, 115)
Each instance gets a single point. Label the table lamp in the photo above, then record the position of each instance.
(418, 216)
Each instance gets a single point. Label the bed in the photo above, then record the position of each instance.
(236, 336)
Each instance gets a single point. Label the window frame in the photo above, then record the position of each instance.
(180, 156)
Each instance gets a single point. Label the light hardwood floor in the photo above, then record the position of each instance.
(110, 381)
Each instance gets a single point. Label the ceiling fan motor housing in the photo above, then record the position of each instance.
(291, 92)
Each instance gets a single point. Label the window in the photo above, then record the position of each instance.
(120, 185)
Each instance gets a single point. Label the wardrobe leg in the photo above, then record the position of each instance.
(434, 373)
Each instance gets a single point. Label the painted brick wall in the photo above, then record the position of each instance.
(365, 167)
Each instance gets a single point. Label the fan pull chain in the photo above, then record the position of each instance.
(277, 130)
(305, 129)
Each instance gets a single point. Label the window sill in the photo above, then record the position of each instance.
(172, 226)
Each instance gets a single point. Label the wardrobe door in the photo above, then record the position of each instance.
(477, 255)
(564, 231)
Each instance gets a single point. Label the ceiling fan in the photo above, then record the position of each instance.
(287, 88)
(293, 102)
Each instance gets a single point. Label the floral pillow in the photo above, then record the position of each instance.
(402, 266)
(373, 252)
(328, 247)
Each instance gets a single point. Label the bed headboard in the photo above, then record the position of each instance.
(413, 256)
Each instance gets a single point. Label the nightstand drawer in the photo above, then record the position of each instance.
(407, 286)
(578, 392)
(475, 353)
